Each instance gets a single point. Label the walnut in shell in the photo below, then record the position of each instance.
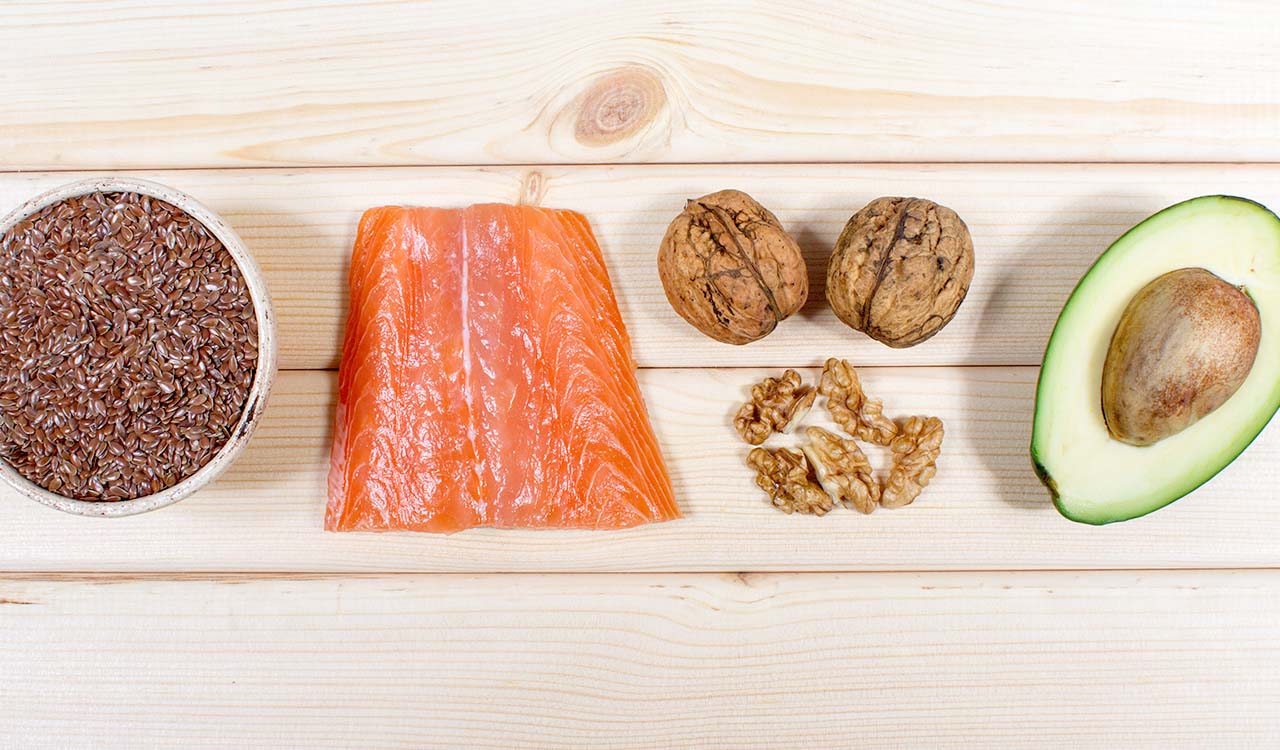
(843, 469)
(915, 454)
(900, 270)
(730, 269)
(776, 404)
(855, 412)
(784, 475)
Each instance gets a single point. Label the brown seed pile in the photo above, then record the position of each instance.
(128, 343)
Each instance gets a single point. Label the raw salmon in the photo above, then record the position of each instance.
(487, 380)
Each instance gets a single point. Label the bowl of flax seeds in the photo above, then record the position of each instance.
(137, 347)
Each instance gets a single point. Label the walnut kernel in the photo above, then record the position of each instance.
(776, 404)
(843, 469)
(784, 475)
(855, 412)
(915, 454)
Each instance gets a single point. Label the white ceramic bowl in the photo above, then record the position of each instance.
(263, 377)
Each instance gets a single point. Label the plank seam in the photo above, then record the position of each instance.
(234, 576)
(637, 164)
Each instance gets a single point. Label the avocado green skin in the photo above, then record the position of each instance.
(1048, 482)
(1042, 472)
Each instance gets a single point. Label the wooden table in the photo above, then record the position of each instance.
(975, 618)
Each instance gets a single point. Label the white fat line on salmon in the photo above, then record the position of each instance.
(466, 335)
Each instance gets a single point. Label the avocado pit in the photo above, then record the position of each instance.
(1184, 344)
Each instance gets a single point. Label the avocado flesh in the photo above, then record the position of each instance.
(1097, 479)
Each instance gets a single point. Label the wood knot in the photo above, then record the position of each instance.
(532, 188)
(618, 105)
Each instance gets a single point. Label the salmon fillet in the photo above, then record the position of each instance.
(487, 380)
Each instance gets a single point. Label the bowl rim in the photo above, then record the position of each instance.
(264, 373)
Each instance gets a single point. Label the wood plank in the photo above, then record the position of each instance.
(1036, 229)
(377, 83)
(985, 510)
(1055, 661)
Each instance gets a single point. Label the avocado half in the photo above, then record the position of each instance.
(1097, 479)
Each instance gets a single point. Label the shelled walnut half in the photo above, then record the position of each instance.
(784, 475)
(855, 412)
(776, 405)
(843, 469)
(915, 455)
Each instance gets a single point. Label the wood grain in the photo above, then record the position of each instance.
(122, 84)
(1055, 661)
(1036, 229)
(985, 510)
(232, 620)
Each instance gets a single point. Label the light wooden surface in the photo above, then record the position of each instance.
(984, 511)
(975, 618)
(294, 82)
(1036, 228)
(1047, 660)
